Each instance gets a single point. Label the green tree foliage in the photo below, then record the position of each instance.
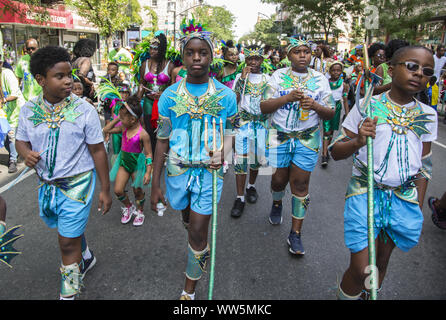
(153, 18)
(219, 20)
(269, 30)
(320, 16)
(404, 19)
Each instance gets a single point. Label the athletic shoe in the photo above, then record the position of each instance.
(295, 242)
(251, 195)
(87, 264)
(12, 167)
(438, 216)
(275, 216)
(139, 218)
(237, 208)
(127, 213)
(324, 161)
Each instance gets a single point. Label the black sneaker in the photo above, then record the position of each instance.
(87, 264)
(237, 208)
(12, 167)
(295, 242)
(251, 195)
(324, 161)
(275, 216)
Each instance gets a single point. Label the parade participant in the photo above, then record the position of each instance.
(60, 136)
(432, 92)
(30, 87)
(355, 55)
(83, 50)
(339, 90)
(438, 208)
(134, 160)
(122, 57)
(250, 140)
(7, 237)
(440, 62)
(155, 72)
(230, 70)
(321, 59)
(11, 100)
(78, 90)
(298, 97)
(402, 129)
(378, 56)
(184, 107)
(382, 69)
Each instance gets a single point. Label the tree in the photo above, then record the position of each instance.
(219, 21)
(108, 16)
(153, 18)
(409, 14)
(320, 15)
(34, 7)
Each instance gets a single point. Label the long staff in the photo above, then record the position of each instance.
(370, 182)
(214, 194)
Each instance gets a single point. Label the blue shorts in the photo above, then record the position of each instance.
(292, 151)
(193, 188)
(252, 143)
(402, 221)
(69, 216)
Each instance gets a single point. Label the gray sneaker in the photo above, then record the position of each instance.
(12, 167)
(275, 216)
(295, 242)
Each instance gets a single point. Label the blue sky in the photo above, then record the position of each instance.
(245, 12)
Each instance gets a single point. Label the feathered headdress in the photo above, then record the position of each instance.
(194, 29)
(256, 49)
(297, 42)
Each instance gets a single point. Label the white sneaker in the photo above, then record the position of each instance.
(139, 218)
(127, 214)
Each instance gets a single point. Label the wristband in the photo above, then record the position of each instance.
(148, 161)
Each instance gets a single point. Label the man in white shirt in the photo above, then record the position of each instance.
(440, 61)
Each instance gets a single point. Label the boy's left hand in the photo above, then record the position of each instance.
(105, 201)
(307, 102)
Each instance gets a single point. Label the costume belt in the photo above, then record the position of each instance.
(309, 138)
(246, 116)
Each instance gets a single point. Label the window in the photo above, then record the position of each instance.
(154, 3)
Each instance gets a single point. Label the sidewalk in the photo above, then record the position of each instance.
(6, 177)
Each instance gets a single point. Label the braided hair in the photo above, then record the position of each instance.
(162, 48)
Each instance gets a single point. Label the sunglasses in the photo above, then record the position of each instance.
(413, 67)
(30, 48)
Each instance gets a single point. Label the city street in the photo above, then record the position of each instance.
(252, 258)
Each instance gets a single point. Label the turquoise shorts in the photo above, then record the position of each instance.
(401, 220)
(69, 216)
(194, 188)
(292, 151)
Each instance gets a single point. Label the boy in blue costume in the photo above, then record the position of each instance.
(183, 109)
(60, 136)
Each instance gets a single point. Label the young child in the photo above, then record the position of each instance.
(183, 109)
(297, 97)
(78, 90)
(134, 160)
(250, 140)
(402, 129)
(432, 92)
(66, 149)
(339, 90)
(124, 91)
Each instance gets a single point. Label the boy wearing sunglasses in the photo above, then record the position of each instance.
(403, 130)
(30, 87)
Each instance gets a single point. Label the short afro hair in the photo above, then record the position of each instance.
(393, 45)
(45, 58)
(401, 51)
(84, 48)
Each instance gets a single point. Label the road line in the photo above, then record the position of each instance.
(439, 144)
(26, 175)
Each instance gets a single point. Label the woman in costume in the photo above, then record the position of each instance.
(298, 98)
(339, 89)
(134, 160)
(403, 130)
(230, 70)
(250, 139)
(154, 74)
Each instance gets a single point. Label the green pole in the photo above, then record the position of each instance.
(370, 190)
(214, 233)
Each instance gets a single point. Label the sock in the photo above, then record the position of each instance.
(250, 185)
(191, 295)
(241, 198)
(86, 254)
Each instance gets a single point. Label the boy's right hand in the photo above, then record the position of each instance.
(367, 129)
(155, 197)
(32, 158)
(295, 95)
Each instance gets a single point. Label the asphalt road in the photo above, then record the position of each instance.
(253, 262)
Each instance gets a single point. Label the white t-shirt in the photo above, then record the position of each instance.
(391, 177)
(287, 116)
(439, 63)
(246, 103)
